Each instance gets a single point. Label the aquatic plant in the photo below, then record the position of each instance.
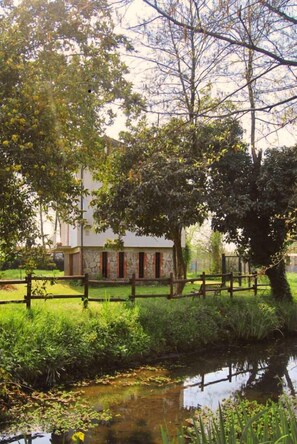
(241, 422)
(56, 412)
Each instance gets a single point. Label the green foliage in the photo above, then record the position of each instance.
(216, 249)
(193, 324)
(187, 254)
(254, 321)
(56, 412)
(287, 314)
(255, 205)
(242, 421)
(180, 326)
(47, 347)
(56, 340)
(114, 244)
(156, 185)
(51, 55)
(29, 258)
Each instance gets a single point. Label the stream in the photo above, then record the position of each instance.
(142, 399)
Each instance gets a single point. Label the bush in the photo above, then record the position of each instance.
(252, 320)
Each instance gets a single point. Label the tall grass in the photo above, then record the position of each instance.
(41, 347)
(242, 422)
(46, 345)
(58, 340)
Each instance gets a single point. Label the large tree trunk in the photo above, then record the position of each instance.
(279, 285)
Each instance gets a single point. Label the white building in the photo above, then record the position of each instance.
(85, 252)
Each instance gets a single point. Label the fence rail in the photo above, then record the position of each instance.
(227, 283)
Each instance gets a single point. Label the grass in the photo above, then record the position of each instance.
(242, 421)
(117, 291)
(19, 273)
(18, 291)
(55, 342)
(42, 346)
(58, 340)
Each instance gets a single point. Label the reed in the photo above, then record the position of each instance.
(242, 422)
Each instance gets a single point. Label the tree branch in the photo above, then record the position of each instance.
(280, 13)
(203, 30)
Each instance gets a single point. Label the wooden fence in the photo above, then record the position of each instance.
(207, 284)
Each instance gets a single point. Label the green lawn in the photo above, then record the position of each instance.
(17, 291)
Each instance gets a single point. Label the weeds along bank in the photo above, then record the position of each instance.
(241, 421)
(55, 343)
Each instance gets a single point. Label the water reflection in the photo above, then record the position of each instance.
(253, 372)
(259, 376)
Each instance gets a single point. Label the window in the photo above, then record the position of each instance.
(158, 265)
(141, 265)
(104, 267)
(121, 264)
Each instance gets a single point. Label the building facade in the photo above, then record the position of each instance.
(85, 252)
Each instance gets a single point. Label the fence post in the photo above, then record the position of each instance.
(203, 285)
(256, 283)
(133, 287)
(29, 290)
(171, 286)
(231, 285)
(86, 290)
(202, 383)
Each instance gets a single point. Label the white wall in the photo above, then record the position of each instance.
(91, 238)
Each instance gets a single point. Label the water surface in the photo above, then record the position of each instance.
(143, 399)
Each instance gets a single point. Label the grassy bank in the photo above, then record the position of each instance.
(48, 344)
(58, 340)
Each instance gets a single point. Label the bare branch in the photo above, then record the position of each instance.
(280, 13)
(199, 29)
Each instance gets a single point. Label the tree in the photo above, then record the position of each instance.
(156, 185)
(182, 64)
(17, 221)
(59, 70)
(226, 15)
(256, 207)
(269, 37)
(216, 250)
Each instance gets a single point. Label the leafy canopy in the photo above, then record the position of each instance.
(59, 70)
(256, 206)
(155, 185)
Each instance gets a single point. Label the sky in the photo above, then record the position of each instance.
(129, 17)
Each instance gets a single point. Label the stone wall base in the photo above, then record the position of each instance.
(110, 264)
